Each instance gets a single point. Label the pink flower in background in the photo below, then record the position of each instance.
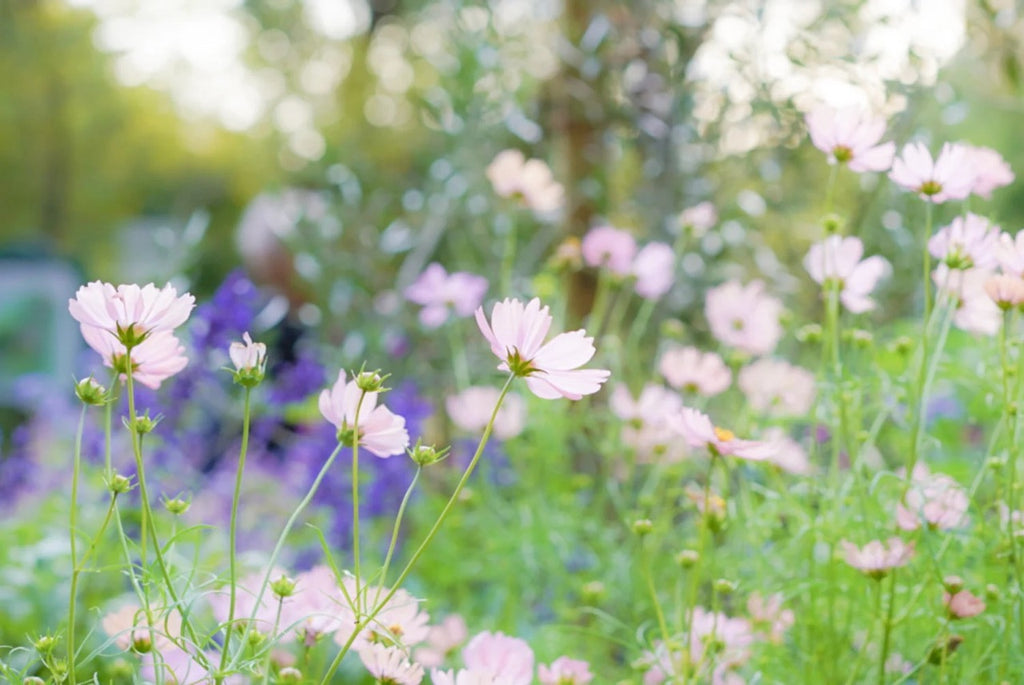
(465, 677)
(390, 665)
(744, 317)
(689, 369)
(700, 217)
(934, 499)
(516, 334)
(649, 422)
(789, 455)
(128, 312)
(971, 241)
(876, 558)
(838, 260)
(247, 614)
(777, 388)
(442, 640)
(654, 268)
(698, 431)
(501, 657)
(317, 608)
(975, 310)
(471, 410)
(1005, 290)
(158, 357)
(248, 355)
(768, 612)
(401, 621)
(128, 625)
(850, 136)
(1010, 253)
(380, 431)
(950, 177)
(512, 175)
(991, 171)
(565, 671)
(609, 247)
(963, 604)
(440, 292)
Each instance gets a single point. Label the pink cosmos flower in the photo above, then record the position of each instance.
(565, 671)
(654, 268)
(466, 677)
(317, 608)
(768, 612)
(129, 627)
(1005, 290)
(649, 422)
(440, 293)
(850, 136)
(732, 637)
(158, 357)
(442, 640)
(512, 175)
(175, 665)
(934, 499)
(400, 622)
(248, 356)
(689, 369)
(876, 559)
(838, 260)
(500, 656)
(471, 410)
(966, 242)
(379, 431)
(516, 334)
(247, 613)
(950, 177)
(129, 312)
(1010, 253)
(777, 388)
(698, 431)
(789, 455)
(963, 604)
(744, 317)
(390, 665)
(991, 171)
(975, 310)
(699, 218)
(605, 246)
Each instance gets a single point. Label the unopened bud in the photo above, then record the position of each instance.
(953, 584)
(642, 527)
(688, 558)
(811, 333)
(177, 506)
(724, 586)
(255, 638)
(45, 644)
(425, 455)
(832, 223)
(992, 592)
(283, 587)
(370, 381)
(862, 338)
(141, 643)
(902, 345)
(90, 392)
(290, 675)
(33, 680)
(143, 424)
(593, 592)
(119, 484)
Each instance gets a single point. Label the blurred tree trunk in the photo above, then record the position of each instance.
(56, 162)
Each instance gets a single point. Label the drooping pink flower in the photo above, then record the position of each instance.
(649, 422)
(698, 431)
(440, 293)
(934, 499)
(699, 218)
(609, 247)
(991, 171)
(744, 317)
(380, 431)
(158, 357)
(516, 335)
(442, 640)
(471, 410)
(876, 558)
(777, 388)
(689, 369)
(975, 310)
(248, 355)
(654, 268)
(128, 312)
(838, 260)
(512, 175)
(963, 604)
(967, 242)
(500, 656)
(1010, 253)
(850, 136)
(1005, 290)
(389, 664)
(950, 177)
(565, 671)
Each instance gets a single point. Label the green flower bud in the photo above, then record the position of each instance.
(283, 587)
(90, 392)
(119, 484)
(688, 558)
(425, 455)
(643, 527)
(177, 506)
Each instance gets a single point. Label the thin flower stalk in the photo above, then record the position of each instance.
(355, 501)
(449, 505)
(75, 470)
(887, 624)
(394, 534)
(233, 529)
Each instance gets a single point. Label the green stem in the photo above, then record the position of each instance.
(233, 532)
(926, 377)
(72, 524)
(449, 505)
(394, 532)
(887, 627)
(355, 500)
(599, 310)
(649, 578)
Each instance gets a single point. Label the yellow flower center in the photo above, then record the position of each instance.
(724, 435)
